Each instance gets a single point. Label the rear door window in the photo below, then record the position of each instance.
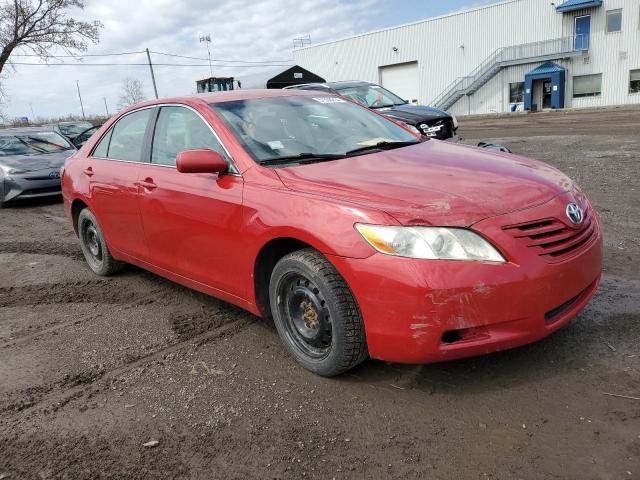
(103, 147)
(127, 137)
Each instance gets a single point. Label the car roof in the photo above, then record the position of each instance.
(219, 97)
(16, 130)
(332, 85)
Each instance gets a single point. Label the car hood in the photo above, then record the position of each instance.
(413, 113)
(433, 182)
(32, 163)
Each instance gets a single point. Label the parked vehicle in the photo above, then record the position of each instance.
(70, 129)
(429, 121)
(82, 137)
(30, 162)
(358, 237)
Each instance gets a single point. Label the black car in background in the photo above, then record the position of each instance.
(429, 121)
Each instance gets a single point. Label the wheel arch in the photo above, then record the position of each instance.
(266, 259)
(76, 207)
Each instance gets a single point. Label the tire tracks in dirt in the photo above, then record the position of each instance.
(56, 395)
(110, 292)
(65, 249)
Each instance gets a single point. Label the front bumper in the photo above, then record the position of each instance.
(30, 185)
(422, 311)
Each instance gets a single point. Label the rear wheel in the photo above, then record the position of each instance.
(315, 314)
(94, 246)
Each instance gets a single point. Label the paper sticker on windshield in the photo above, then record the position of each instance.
(276, 145)
(329, 100)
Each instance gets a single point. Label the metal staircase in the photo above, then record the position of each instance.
(503, 57)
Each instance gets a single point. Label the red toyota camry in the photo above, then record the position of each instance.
(357, 237)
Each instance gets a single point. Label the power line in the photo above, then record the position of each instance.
(166, 54)
(76, 56)
(218, 59)
(145, 65)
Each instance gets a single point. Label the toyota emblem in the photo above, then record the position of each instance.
(574, 213)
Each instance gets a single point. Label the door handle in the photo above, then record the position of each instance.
(147, 183)
(88, 172)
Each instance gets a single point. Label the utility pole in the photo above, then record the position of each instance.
(207, 39)
(80, 97)
(33, 115)
(153, 78)
(105, 105)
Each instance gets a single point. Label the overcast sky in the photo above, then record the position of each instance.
(240, 30)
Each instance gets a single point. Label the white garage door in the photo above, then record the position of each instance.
(401, 79)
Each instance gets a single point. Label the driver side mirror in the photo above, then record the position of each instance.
(201, 160)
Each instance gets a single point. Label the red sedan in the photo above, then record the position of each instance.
(358, 238)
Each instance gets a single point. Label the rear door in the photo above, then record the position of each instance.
(112, 171)
(191, 220)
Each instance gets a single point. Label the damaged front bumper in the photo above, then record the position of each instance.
(422, 311)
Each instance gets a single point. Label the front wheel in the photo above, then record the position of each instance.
(94, 246)
(316, 314)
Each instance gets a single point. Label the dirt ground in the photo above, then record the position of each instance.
(91, 369)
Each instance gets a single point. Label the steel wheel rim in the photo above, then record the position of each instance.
(91, 240)
(306, 317)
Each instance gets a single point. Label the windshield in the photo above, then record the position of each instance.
(74, 128)
(372, 96)
(32, 143)
(305, 126)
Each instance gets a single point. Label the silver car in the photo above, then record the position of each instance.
(30, 162)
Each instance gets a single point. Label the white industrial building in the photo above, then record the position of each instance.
(513, 55)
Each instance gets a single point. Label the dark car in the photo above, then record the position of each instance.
(427, 120)
(70, 129)
(30, 162)
(81, 138)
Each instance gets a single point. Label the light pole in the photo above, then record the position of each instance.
(105, 105)
(207, 38)
(80, 97)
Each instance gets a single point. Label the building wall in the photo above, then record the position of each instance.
(452, 46)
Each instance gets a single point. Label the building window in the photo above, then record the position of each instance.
(634, 81)
(516, 92)
(614, 20)
(587, 85)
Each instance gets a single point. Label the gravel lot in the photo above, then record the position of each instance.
(91, 369)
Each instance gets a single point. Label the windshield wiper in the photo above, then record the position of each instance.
(47, 142)
(306, 156)
(31, 145)
(381, 146)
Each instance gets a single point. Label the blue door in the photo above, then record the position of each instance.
(583, 29)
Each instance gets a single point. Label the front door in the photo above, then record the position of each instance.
(191, 220)
(582, 32)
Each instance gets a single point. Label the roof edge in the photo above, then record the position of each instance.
(409, 24)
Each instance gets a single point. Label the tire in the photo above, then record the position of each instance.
(316, 316)
(94, 247)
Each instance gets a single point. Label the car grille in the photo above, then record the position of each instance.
(40, 191)
(554, 240)
(445, 132)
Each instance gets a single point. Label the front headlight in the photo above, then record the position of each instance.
(11, 171)
(429, 242)
(455, 122)
(413, 129)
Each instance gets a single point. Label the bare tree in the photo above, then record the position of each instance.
(40, 25)
(131, 92)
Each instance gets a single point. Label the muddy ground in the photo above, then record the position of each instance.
(93, 368)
